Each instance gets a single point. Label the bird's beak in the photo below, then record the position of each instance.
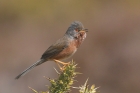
(84, 30)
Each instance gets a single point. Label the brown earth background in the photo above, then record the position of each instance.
(109, 57)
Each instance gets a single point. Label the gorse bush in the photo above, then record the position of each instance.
(63, 84)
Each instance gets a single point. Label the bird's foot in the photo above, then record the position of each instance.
(63, 63)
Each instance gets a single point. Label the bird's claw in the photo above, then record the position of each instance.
(63, 63)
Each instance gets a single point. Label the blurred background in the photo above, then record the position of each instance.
(109, 57)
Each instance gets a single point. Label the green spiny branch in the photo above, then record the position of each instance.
(65, 81)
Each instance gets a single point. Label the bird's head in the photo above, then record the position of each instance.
(75, 29)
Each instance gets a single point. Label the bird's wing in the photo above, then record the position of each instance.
(55, 49)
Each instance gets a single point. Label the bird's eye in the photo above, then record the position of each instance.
(77, 30)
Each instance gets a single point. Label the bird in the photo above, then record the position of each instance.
(63, 48)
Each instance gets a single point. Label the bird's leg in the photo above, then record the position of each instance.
(59, 66)
(63, 63)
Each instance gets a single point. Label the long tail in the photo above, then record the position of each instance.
(30, 68)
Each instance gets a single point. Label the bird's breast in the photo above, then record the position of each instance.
(72, 47)
(67, 52)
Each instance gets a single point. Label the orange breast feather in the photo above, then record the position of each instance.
(67, 52)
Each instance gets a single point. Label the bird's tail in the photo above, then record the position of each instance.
(30, 68)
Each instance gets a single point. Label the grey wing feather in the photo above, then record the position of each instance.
(55, 49)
